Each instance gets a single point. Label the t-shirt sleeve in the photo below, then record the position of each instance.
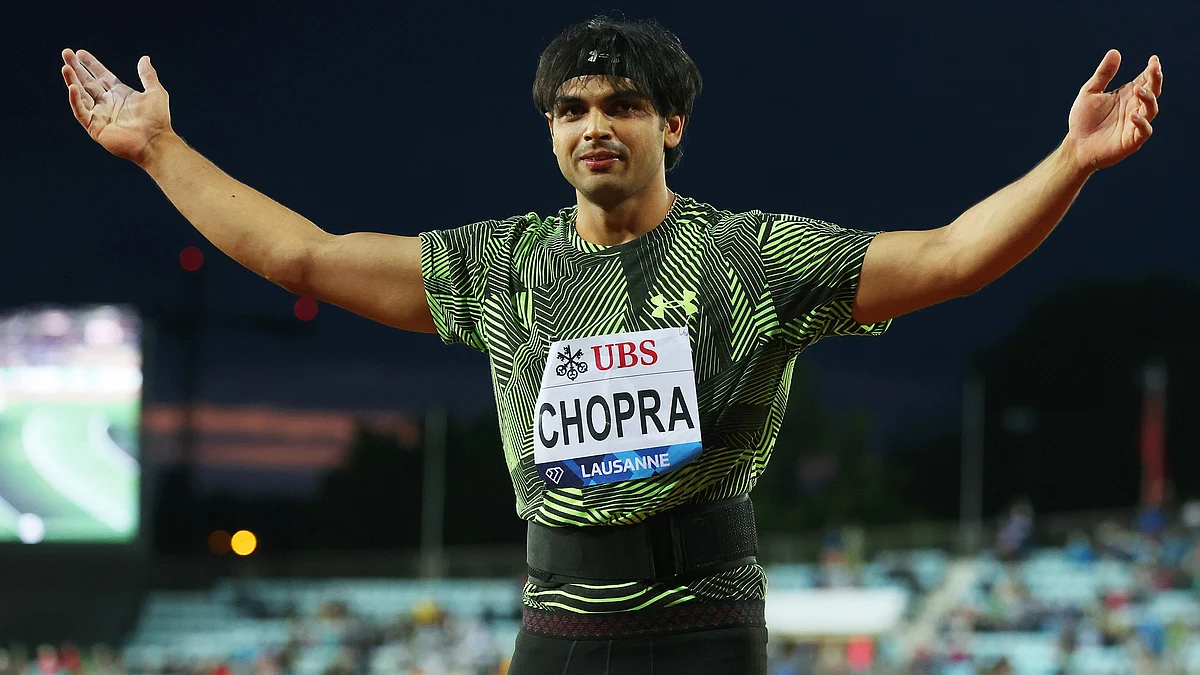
(811, 270)
(454, 267)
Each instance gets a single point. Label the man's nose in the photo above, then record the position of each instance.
(598, 126)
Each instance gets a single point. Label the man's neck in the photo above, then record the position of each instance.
(624, 221)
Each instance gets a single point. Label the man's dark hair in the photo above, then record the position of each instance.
(650, 56)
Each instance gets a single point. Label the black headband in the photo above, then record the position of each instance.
(602, 60)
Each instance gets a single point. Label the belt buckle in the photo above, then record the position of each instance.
(667, 552)
(678, 553)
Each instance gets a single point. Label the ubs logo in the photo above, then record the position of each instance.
(572, 365)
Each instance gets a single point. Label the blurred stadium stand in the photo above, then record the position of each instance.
(1102, 598)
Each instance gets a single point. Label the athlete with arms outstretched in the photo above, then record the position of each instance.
(641, 341)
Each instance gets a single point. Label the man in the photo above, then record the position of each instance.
(641, 342)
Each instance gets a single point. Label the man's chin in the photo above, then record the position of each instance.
(603, 188)
(603, 193)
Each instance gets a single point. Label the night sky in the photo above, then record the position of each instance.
(875, 116)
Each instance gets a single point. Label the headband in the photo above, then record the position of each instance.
(598, 61)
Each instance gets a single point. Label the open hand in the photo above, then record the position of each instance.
(1106, 127)
(120, 119)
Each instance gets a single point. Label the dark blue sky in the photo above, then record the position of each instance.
(872, 115)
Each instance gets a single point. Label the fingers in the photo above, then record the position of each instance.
(1104, 74)
(83, 113)
(1142, 130)
(93, 64)
(94, 88)
(1156, 75)
(71, 78)
(97, 69)
(147, 74)
(1149, 103)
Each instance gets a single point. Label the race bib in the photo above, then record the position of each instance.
(616, 407)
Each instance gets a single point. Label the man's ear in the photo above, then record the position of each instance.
(550, 123)
(673, 130)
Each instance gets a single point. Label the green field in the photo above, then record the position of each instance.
(58, 460)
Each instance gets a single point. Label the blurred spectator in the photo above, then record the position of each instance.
(1068, 639)
(1152, 634)
(1079, 548)
(1178, 635)
(923, 662)
(833, 539)
(47, 660)
(794, 658)
(831, 660)
(105, 661)
(1151, 522)
(248, 602)
(1114, 542)
(479, 650)
(1189, 514)
(834, 571)
(1016, 535)
(1001, 667)
(70, 661)
(1190, 565)
(900, 571)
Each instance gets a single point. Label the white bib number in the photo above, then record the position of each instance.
(616, 407)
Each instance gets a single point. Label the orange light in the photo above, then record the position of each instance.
(244, 542)
(218, 542)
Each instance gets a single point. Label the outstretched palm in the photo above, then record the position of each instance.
(1104, 128)
(120, 119)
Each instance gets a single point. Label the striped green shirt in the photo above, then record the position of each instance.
(753, 289)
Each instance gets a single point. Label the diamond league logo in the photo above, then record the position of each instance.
(573, 364)
(554, 473)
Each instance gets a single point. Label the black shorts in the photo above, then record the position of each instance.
(714, 651)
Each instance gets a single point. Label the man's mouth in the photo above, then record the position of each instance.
(600, 160)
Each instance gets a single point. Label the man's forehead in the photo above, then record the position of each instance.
(594, 86)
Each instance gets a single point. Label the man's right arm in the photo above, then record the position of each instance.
(375, 275)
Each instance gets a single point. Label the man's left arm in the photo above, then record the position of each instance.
(905, 271)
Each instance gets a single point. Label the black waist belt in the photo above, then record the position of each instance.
(685, 542)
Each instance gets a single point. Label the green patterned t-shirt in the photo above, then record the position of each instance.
(752, 289)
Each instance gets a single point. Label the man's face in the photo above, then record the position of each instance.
(609, 144)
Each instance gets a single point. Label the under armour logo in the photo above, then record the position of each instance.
(554, 473)
(573, 364)
(597, 54)
(661, 304)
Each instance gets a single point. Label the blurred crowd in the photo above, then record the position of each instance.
(1154, 555)
(1158, 559)
(334, 642)
(67, 659)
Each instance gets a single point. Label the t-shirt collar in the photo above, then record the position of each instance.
(567, 218)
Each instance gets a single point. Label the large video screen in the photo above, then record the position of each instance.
(70, 403)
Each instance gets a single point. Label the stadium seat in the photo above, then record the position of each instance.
(791, 576)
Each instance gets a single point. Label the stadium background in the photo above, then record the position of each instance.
(978, 490)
